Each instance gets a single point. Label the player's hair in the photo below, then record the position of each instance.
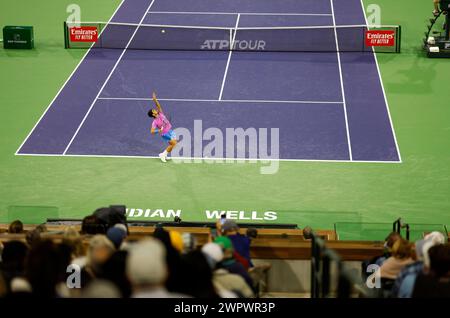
(150, 113)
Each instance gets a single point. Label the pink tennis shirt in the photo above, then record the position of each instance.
(161, 123)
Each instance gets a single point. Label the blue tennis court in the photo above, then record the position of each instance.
(327, 105)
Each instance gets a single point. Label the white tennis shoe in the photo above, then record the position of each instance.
(162, 157)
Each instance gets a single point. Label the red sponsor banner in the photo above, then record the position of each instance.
(380, 38)
(83, 34)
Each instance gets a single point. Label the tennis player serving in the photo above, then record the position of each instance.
(162, 125)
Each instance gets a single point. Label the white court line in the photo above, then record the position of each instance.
(342, 84)
(223, 100)
(241, 13)
(155, 25)
(211, 159)
(174, 26)
(229, 57)
(384, 92)
(64, 85)
(106, 81)
(307, 27)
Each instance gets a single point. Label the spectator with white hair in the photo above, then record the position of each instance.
(99, 251)
(147, 270)
(434, 281)
(404, 284)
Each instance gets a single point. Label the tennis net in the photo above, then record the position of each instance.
(348, 38)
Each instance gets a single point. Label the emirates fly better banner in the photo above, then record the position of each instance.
(380, 38)
(83, 34)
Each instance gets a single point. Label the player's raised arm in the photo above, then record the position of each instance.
(158, 105)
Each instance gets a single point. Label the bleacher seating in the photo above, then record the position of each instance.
(269, 244)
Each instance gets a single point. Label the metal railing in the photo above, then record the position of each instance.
(322, 276)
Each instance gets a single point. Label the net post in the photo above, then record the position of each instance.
(99, 39)
(66, 40)
(364, 29)
(399, 39)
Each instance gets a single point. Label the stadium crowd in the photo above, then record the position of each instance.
(412, 270)
(169, 264)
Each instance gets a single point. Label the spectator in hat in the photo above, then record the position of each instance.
(116, 235)
(177, 241)
(241, 243)
(213, 253)
(229, 262)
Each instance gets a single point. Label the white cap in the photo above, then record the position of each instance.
(19, 284)
(213, 251)
(146, 262)
(436, 237)
(431, 239)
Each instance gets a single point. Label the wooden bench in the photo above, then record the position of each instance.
(348, 250)
(201, 235)
(261, 248)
